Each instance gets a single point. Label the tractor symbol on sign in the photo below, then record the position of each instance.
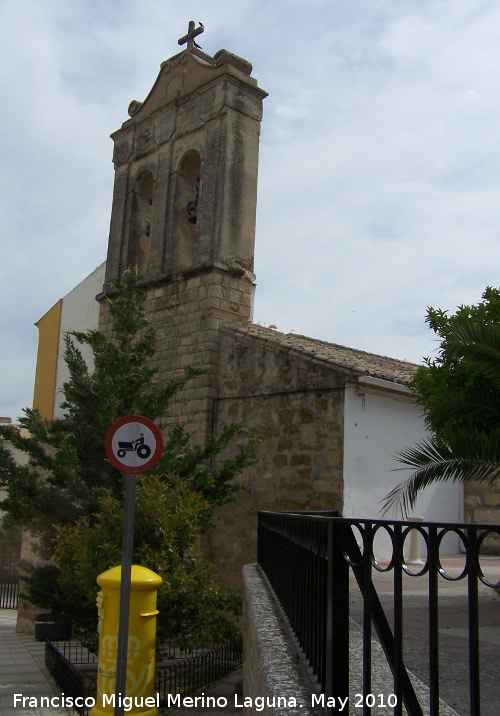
(137, 446)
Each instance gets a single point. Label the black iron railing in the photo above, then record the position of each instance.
(9, 595)
(74, 668)
(307, 559)
(70, 675)
(195, 672)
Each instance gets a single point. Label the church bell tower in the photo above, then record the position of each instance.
(184, 208)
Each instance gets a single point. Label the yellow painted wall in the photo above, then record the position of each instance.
(46, 362)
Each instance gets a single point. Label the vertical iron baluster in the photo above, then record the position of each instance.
(474, 675)
(305, 569)
(338, 615)
(322, 603)
(367, 616)
(329, 683)
(433, 557)
(314, 616)
(398, 616)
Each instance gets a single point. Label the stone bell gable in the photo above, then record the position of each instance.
(183, 213)
(194, 139)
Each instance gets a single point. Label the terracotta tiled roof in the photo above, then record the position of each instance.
(350, 359)
(7, 422)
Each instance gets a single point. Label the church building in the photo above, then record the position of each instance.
(330, 418)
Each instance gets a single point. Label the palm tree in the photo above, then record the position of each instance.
(466, 446)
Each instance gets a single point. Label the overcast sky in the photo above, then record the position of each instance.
(379, 171)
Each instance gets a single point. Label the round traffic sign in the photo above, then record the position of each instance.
(133, 444)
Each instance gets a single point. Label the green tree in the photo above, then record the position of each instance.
(169, 518)
(459, 390)
(71, 492)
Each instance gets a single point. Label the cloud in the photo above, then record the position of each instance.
(393, 182)
(378, 171)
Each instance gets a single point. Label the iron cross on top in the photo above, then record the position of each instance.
(191, 34)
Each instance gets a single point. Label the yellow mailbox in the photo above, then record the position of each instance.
(139, 695)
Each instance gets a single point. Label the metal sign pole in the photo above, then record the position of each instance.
(133, 444)
(127, 549)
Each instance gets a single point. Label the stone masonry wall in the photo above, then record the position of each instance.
(186, 313)
(296, 408)
(482, 506)
(34, 553)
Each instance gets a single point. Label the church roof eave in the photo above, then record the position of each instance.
(353, 363)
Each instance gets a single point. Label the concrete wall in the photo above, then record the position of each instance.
(377, 425)
(77, 311)
(49, 327)
(273, 676)
(80, 312)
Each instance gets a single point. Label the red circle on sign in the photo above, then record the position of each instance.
(133, 444)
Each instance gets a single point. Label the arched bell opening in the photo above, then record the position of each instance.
(140, 222)
(188, 188)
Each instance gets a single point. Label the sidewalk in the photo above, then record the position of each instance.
(23, 672)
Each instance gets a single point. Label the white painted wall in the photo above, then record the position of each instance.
(80, 312)
(377, 426)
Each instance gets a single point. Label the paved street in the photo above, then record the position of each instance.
(453, 633)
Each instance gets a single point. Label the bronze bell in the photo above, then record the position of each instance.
(191, 210)
(193, 204)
